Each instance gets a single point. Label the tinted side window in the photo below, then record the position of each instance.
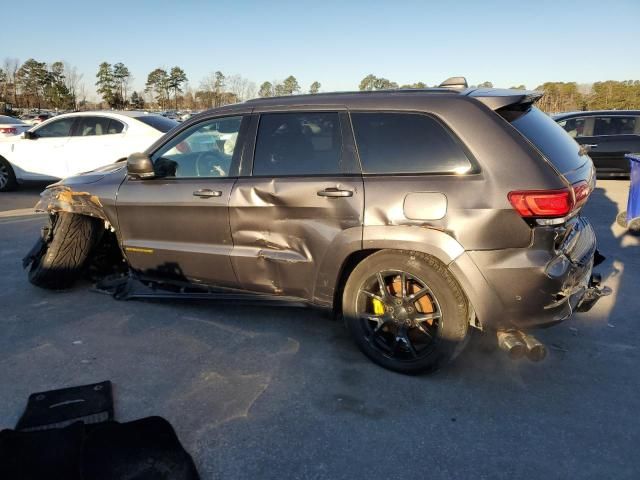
(90, 126)
(614, 125)
(57, 128)
(205, 150)
(406, 143)
(548, 137)
(298, 144)
(115, 127)
(574, 127)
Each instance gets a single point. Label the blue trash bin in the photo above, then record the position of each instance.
(633, 203)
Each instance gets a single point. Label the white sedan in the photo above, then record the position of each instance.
(10, 126)
(76, 142)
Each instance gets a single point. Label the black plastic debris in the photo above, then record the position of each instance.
(59, 408)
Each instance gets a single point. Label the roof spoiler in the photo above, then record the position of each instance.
(455, 82)
(495, 98)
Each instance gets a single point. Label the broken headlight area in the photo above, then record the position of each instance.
(60, 198)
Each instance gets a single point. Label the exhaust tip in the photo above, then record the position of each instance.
(512, 344)
(537, 354)
(517, 352)
(536, 351)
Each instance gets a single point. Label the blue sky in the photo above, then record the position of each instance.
(336, 43)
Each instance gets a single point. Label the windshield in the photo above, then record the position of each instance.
(158, 122)
(549, 137)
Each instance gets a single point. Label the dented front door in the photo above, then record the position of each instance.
(302, 204)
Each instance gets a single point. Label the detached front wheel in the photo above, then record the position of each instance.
(63, 256)
(406, 311)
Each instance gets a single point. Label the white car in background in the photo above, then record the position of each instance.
(10, 126)
(76, 142)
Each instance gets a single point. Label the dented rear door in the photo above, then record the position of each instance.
(300, 203)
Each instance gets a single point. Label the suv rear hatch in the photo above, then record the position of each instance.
(555, 146)
(555, 213)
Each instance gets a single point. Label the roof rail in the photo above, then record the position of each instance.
(455, 82)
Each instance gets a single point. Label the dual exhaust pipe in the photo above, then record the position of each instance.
(518, 344)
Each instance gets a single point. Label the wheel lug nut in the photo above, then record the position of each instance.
(398, 301)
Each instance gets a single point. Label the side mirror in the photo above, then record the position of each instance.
(139, 165)
(29, 135)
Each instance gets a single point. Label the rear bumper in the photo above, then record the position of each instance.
(531, 287)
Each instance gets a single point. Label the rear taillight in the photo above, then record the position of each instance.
(8, 130)
(550, 203)
(581, 192)
(542, 203)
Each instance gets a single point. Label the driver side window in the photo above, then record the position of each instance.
(56, 128)
(205, 150)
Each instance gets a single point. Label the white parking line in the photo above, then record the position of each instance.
(20, 212)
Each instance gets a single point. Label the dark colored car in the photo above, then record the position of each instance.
(415, 215)
(607, 135)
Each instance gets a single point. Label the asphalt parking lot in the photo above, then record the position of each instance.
(266, 392)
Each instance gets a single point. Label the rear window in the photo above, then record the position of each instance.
(616, 125)
(549, 137)
(7, 119)
(406, 143)
(160, 123)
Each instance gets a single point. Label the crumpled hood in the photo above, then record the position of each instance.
(94, 175)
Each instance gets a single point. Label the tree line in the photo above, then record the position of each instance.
(58, 85)
(35, 84)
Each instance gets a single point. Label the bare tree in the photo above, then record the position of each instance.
(241, 87)
(11, 67)
(81, 96)
(72, 80)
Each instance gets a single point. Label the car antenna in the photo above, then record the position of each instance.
(455, 82)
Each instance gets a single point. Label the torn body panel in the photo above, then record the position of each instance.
(538, 285)
(91, 194)
(64, 199)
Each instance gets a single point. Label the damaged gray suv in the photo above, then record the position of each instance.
(415, 215)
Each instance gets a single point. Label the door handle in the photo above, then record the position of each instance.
(590, 145)
(335, 192)
(207, 193)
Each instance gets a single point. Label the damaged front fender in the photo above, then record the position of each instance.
(62, 198)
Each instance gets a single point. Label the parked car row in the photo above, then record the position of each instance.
(10, 126)
(608, 135)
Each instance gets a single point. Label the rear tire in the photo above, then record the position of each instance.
(8, 180)
(401, 333)
(64, 259)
